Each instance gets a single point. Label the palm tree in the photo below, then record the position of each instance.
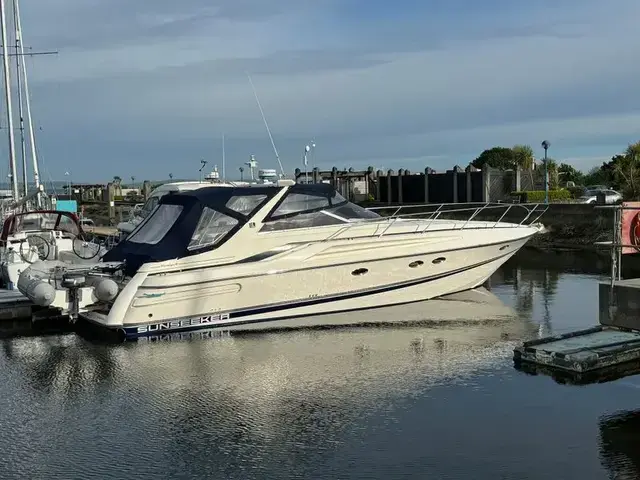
(524, 156)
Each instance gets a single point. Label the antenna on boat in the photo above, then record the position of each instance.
(264, 119)
(224, 175)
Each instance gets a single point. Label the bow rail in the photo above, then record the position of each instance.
(436, 214)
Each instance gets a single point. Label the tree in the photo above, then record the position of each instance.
(524, 156)
(602, 175)
(568, 173)
(626, 173)
(622, 172)
(496, 157)
(633, 150)
(553, 170)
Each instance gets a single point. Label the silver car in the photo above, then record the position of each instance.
(611, 196)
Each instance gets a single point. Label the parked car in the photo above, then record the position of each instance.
(597, 187)
(591, 196)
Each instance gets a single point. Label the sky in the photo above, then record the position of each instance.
(148, 88)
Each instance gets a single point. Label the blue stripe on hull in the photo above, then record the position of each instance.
(228, 319)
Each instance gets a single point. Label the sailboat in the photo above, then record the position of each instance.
(31, 229)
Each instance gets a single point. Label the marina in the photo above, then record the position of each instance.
(380, 385)
(381, 304)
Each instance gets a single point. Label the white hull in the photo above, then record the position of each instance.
(226, 257)
(282, 300)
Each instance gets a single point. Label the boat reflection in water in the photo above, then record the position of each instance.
(620, 444)
(441, 338)
(252, 402)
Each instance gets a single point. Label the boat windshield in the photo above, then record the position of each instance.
(156, 225)
(41, 222)
(148, 207)
(304, 210)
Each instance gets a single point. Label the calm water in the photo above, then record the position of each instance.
(416, 402)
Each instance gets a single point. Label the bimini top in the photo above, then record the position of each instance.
(193, 222)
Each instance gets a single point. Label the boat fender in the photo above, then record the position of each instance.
(39, 292)
(105, 290)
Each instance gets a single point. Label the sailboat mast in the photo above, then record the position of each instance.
(23, 146)
(27, 100)
(7, 94)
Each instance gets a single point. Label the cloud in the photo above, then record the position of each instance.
(143, 88)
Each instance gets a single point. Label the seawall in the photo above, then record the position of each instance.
(569, 226)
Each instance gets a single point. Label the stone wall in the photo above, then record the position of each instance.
(575, 225)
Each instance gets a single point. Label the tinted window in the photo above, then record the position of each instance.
(212, 227)
(148, 207)
(352, 211)
(300, 202)
(303, 220)
(245, 204)
(156, 226)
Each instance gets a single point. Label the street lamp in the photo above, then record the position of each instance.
(305, 160)
(241, 174)
(546, 145)
(68, 175)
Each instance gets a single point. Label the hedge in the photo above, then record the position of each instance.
(537, 196)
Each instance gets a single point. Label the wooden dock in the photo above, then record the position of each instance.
(102, 231)
(20, 317)
(14, 305)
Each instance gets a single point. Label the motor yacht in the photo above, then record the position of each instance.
(37, 235)
(263, 254)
